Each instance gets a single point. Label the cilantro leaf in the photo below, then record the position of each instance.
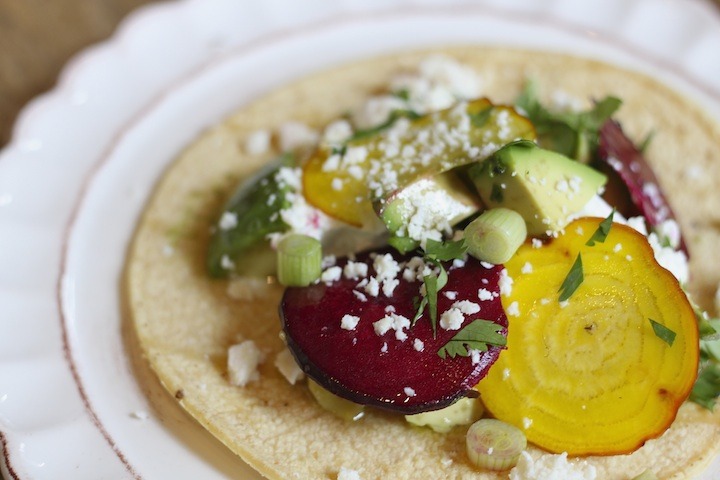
(573, 280)
(574, 134)
(475, 336)
(602, 231)
(662, 332)
(707, 386)
(444, 251)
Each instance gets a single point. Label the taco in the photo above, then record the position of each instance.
(185, 321)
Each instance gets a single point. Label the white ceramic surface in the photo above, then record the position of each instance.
(84, 158)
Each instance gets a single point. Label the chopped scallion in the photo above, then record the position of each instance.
(494, 445)
(495, 235)
(299, 260)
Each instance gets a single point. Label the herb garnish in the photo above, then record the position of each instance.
(574, 134)
(392, 118)
(573, 280)
(475, 336)
(707, 386)
(436, 252)
(480, 118)
(662, 332)
(602, 231)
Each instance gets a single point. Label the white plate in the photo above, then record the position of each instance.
(84, 158)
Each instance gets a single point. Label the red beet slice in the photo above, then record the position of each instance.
(381, 370)
(633, 186)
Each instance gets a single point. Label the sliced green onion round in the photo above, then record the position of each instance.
(494, 445)
(299, 260)
(495, 235)
(338, 406)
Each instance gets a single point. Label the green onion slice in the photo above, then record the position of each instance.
(495, 235)
(494, 445)
(299, 260)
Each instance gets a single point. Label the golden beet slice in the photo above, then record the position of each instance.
(344, 182)
(591, 376)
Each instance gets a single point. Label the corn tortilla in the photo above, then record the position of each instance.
(184, 321)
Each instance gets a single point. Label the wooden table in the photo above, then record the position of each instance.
(37, 37)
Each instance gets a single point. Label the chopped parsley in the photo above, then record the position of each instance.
(574, 134)
(573, 280)
(475, 336)
(662, 332)
(602, 231)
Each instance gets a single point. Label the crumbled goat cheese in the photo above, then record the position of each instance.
(409, 391)
(617, 247)
(527, 268)
(527, 422)
(228, 221)
(513, 309)
(242, 363)
(349, 322)
(475, 356)
(450, 295)
(484, 294)
(388, 287)
(355, 270)
(376, 111)
(258, 142)
(418, 345)
(373, 287)
(536, 243)
(466, 307)
(332, 274)
(386, 268)
(669, 231)
(552, 467)
(452, 319)
(328, 261)
(347, 474)
(674, 260)
(505, 283)
(293, 135)
(360, 296)
(336, 184)
(288, 367)
(392, 322)
(337, 132)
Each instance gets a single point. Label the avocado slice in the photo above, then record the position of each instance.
(431, 204)
(543, 186)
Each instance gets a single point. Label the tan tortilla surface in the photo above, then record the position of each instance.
(184, 321)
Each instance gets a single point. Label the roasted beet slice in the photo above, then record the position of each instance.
(633, 186)
(382, 370)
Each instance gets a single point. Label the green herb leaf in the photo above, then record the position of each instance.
(444, 251)
(394, 116)
(662, 332)
(574, 134)
(573, 280)
(602, 231)
(402, 94)
(475, 336)
(480, 119)
(707, 386)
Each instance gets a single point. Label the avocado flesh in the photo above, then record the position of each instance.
(431, 204)
(543, 186)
